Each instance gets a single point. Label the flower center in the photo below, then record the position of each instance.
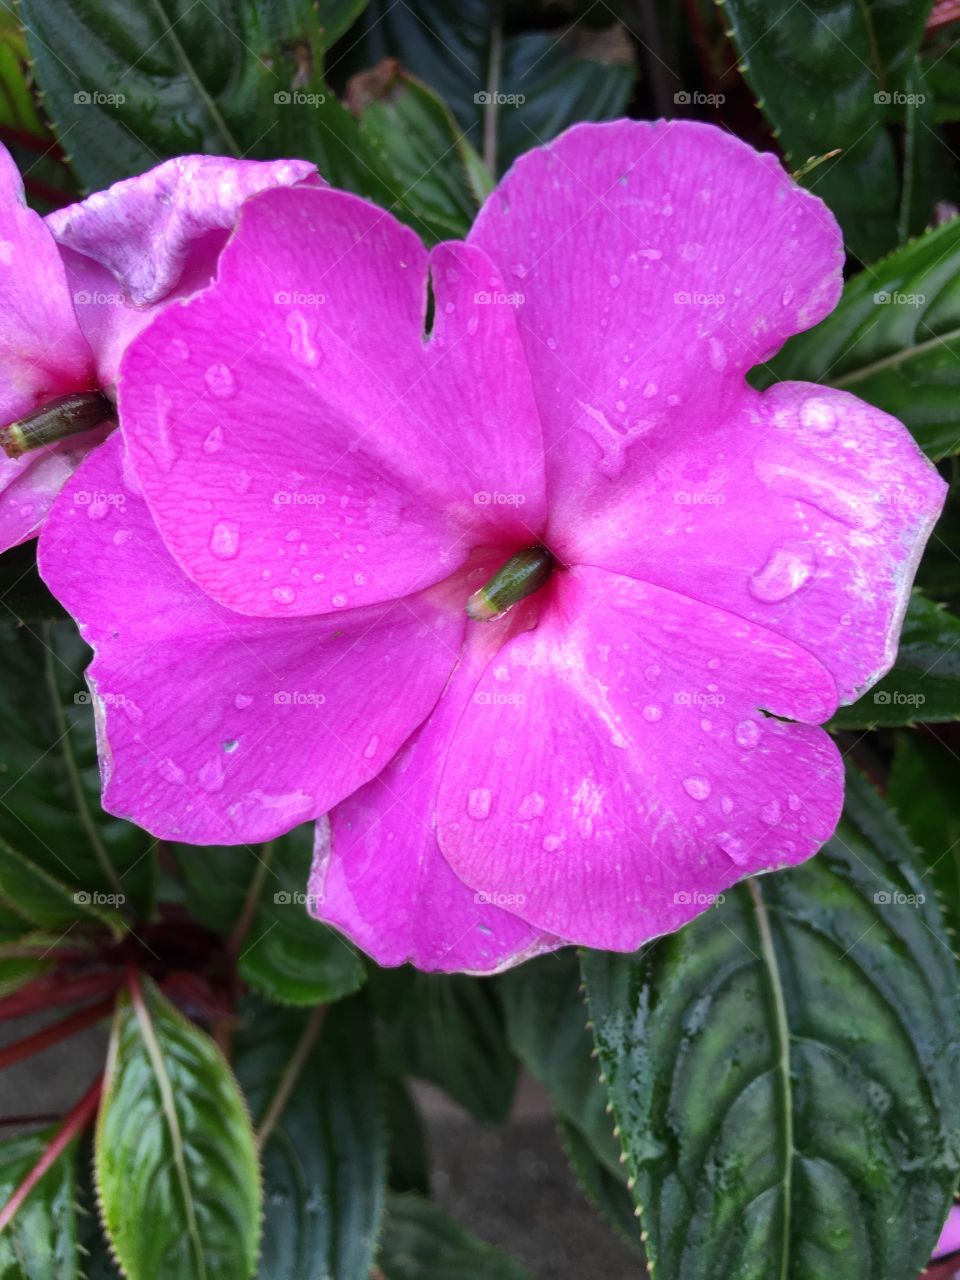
(521, 576)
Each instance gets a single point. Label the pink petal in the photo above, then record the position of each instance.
(144, 229)
(298, 400)
(42, 353)
(639, 777)
(805, 510)
(379, 875)
(672, 259)
(219, 729)
(949, 1241)
(659, 262)
(29, 485)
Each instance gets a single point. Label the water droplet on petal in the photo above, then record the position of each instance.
(301, 346)
(171, 772)
(242, 701)
(652, 712)
(793, 801)
(551, 843)
(214, 440)
(726, 804)
(284, 595)
(370, 750)
(338, 600)
(212, 776)
(224, 540)
(786, 570)
(220, 381)
(747, 733)
(478, 803)
(771, 813)
(697, 787)
(733, 847)
(531, 806)
(818, 415)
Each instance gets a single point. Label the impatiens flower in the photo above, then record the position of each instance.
(77, 286)
(347, 443)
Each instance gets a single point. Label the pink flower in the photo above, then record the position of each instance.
(77, 286)
(314, 489)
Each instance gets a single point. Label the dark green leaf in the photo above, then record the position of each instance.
(324, 1161)
(894, 340)
(128, 85)
(285, 954)
(923, 790)
(409, 1156)
(604, 1188)
(421, 1243)
(849, 65)
(546, 81)
(782, 1069)
(418, 140)
(41, 1242)
(176, 1167)
(923, 684)
(449, 1029)
(50, 804)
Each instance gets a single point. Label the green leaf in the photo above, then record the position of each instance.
(546, 80)
(324, 1157)
(449, 1029)
(893, 340)
(42, 900)
(409, 1156)
(421, 1243)
(50, 804)
(41, 1241)
(547, 1026)
(420, 142)
(129, 85)
(849, 65)
(783, 1069)
(923, 790)
(924, 682)
(176, 1168)
(285, 954)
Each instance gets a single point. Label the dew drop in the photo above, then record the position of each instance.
(697, 787)
(793, 801)
(771, 813)
(652, 712)
(224, 540)
(551, 843)
(338, 600)
(726, 805)
(171, 772)
(531, 806)
(242, 701)
(478, 803)
(747, 733)
(212, 776)
(220, 381)
(284, 595)
(818, 415)
(120, 537)
(370, 750)
(214, 440)
(786, 570)
(301, 346)
(98, 509)
(733, 847)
